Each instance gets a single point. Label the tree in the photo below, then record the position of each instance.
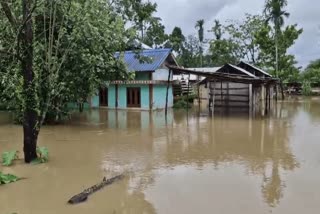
(189, 56)
(155, 35)
(275, 14)
(65, 52)
(264, 38)
(243, 33)
(136, 12)
(223, 50)
(216, 29)
(199, 26)
(312, 73)
(176, 39)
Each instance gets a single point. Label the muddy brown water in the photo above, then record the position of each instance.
(229, 164)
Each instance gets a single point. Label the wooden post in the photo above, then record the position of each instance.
(266, 100)
(221, 98)
(117, 103)
(168, 84)
(188, 99)
(269, 98)
(199, 100)
(213, 97)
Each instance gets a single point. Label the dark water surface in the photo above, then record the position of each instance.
(228, 164)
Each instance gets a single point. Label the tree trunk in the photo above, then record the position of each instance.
(80, 107)
(30, 122)
(282, 91)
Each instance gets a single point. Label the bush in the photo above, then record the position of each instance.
(180, 104)
(306, 88)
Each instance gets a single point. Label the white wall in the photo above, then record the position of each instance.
(161, 74)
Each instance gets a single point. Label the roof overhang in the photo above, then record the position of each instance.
(228, 73)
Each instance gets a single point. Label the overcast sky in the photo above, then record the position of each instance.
(185, 13)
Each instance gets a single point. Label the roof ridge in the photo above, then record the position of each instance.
(146, 50)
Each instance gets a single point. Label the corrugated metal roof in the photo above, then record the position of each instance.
(206, 69)
(256, 68)
(195, 77)
(155, 57)
(243, 71)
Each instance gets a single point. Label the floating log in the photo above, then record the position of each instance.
(83, 196)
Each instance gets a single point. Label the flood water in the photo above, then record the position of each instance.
(228, 164)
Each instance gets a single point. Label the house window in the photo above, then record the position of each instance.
(103, 96)
(133, 97)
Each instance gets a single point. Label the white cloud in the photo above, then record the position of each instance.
(185, 13)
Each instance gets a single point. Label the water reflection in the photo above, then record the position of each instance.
(251, 162)
(123, 119)
(260, 145)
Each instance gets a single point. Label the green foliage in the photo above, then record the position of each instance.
(181, 104)
(312, 73)
(184, 101)
(199, 26)
(7, 178)
(9, 157)
(137, 13)
(74, 43)
(267, 56)
(314, 65)
(243, 33)
(275, 13)
(190, 53)
(43, 155)
(155, 34)
(176, 39)
(306, 88)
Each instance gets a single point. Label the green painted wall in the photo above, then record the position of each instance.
(95, 103)
(144, 95)
(159, 96)
(145, 104)
(122, 96)
(112, 96)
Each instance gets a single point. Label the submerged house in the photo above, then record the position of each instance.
(242, 87)
(149, 89)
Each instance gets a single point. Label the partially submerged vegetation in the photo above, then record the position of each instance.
(7, 178)
(184, 102)
(9, 157)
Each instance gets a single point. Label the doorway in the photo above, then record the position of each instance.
(133, 97)
(103, 96)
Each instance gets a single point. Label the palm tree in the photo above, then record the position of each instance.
(217, 29)
(275, 14)
(199, 26)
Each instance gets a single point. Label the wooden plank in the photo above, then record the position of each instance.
(233, 95)
(236, 88)
(234, 101)
(232, 106)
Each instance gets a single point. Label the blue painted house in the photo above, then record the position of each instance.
(148, 90)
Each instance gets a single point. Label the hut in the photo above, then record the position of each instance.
(151, 87)
(235, 87)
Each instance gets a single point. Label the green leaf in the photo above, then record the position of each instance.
(43, 154)
(7, 178)
(9, 157)
(36, 161)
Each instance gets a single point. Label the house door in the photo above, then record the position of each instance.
(103, 96)
(133, 98)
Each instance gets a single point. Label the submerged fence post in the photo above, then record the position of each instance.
(168, 84)
(213, 97)
(188, 99)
